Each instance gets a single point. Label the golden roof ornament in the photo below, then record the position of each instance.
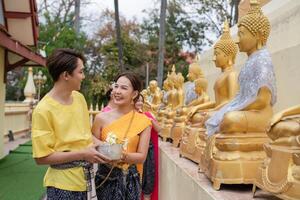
(256, 22)
(226, 43)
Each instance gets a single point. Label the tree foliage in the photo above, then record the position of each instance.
(191, 27)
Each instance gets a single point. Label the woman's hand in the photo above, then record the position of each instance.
(93, 156)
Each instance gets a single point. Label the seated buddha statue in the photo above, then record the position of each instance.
(166, 89)
(190, 99)
(280, 171)
(194, 73)
(225, 88)
(237, 130)
(145, 94)
(154, 97)
(161, 111)
(179, 95)
(172, 104)
(178, 102)
(181, 113)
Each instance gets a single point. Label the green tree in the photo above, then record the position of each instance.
(181, 31)
(104, 43)
(213, 13)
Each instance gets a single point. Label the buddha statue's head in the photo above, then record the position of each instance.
(254, 29)
(144, 93)
(153, 86)
(195, 71)
(172, 77)
(200, 85)
(179, 80)
(166, 86)
(225, 49)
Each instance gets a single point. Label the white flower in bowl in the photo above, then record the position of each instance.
(111, 138)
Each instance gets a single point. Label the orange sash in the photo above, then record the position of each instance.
(119, 127)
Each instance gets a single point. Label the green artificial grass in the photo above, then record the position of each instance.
(20, 177)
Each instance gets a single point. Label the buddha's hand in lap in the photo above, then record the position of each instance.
(276, 118)
(191, 113)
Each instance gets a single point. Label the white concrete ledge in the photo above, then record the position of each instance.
(180, 180)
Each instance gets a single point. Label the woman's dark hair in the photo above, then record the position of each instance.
(134, 80)
(63, 60)
(140, 95)
(108, 94)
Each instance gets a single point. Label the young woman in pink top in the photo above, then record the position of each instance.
(150, 172)
(110, 105)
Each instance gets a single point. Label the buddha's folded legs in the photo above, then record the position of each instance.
(285, 128)
(246, 121)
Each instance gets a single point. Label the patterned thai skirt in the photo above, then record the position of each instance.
(59, 194)
(120, 185)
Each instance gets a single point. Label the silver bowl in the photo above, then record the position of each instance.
(113, 151)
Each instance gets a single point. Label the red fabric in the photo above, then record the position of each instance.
(154, 138)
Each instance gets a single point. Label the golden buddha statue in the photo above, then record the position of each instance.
(166, 89)
(235, 153)
(194, 73)
(145, 94)
(225, 88)
(280, 171)
(154, 97)
(175, 101)
(181, 113)
(165, 93)
(179, 95)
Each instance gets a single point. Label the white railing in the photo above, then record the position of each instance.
(16, 118)
(93, 113)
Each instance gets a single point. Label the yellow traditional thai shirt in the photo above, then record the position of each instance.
(58, 128)
(119, 127)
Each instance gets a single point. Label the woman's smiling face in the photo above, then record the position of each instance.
(123, 93)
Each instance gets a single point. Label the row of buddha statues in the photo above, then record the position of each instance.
(234, 138)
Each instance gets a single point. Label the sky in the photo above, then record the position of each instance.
(128, 8)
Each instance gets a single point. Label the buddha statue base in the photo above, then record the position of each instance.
(191, 146)
(166, 131)
(176, 133)
(280, 171)
(233, 158)
(167, 124)
(161, 118)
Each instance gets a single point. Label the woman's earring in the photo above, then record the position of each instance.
(132, 102)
